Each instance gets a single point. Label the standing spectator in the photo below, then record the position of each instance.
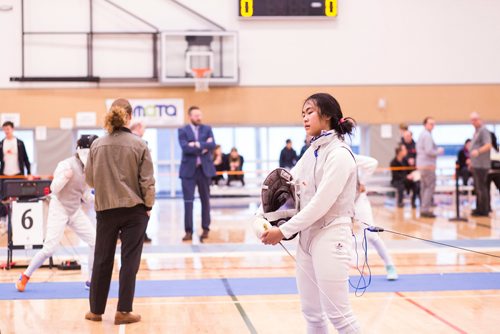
(197, 169)
(411, 147)
(402, 179)
(235, 161)
(220, 164)
(427, 153)
(13, 156)
(288, 156)
(120, 169)
(463, 162)
(480, 165)
(307, 143)
(138, 129)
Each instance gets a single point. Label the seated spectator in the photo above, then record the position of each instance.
(220, 163)
(411, 147)
(235, 161)
(403, 178)
(463, 162)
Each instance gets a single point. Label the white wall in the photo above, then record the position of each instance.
(371, 42)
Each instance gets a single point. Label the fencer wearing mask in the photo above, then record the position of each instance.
(326, 175)
(69, 191)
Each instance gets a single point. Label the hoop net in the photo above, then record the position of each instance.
(201, 79)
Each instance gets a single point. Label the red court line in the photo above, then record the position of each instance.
(425, 309)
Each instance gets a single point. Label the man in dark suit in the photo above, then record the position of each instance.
(197, 169)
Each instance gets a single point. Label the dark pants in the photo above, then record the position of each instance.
(481, 186)
(465, 174)
(407, 185)
(188, 187)
(131, 223)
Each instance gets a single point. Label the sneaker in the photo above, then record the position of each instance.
(93, 317)
(146, 238)
(21, 282)
(392, 275)
(126, 318)
(87, 285)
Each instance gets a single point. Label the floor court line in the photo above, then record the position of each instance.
(255, 286)
(239, 307)
(430, 312)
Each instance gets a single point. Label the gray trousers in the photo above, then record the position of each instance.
(482, 189)
(427, 189)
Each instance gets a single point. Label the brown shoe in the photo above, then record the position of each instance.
(204, 235)
(188, 237)
(126, 318)
(93, 317)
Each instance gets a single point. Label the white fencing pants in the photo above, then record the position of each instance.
(364, 214)
(56, 222)
(322, 281)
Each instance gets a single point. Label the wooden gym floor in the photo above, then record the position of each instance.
(233, 284)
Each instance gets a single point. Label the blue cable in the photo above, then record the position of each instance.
(362, 278)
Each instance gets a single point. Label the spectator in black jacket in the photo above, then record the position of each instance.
(288, 156)
(463, 161)
(235, 161)
(411, 147)
(402, 177)
(13, 156)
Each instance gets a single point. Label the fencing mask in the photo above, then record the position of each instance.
(83, 147)
(279, 198)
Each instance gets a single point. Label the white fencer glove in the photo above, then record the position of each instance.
(260, 225)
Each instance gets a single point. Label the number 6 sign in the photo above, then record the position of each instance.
(27, 223)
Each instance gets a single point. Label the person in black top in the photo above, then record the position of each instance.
(402, 178)
(463, 162)
(288, 156)
(407, 140)
(235, 162)
(221, 164)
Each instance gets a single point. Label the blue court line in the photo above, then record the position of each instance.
(254, 286)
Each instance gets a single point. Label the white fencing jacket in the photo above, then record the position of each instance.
(327, 178)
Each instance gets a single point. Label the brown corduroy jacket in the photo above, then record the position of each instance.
(120, 169)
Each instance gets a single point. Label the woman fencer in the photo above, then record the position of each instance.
(65, 209)
(364, 214)
(327, 178)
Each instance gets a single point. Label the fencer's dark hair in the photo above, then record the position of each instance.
(468, 140)
(192, 108)
(288, 141)
(8, 123)
(427, 119)
(329, 107)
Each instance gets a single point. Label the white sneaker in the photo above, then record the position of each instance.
(392, 275)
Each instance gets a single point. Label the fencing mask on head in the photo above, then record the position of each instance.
(83, 147)
(279, 198)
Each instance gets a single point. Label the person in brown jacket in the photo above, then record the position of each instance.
(120, 169)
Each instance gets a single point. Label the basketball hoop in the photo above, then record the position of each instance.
(201, 79)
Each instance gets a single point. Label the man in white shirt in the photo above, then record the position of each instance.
(13, 156)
